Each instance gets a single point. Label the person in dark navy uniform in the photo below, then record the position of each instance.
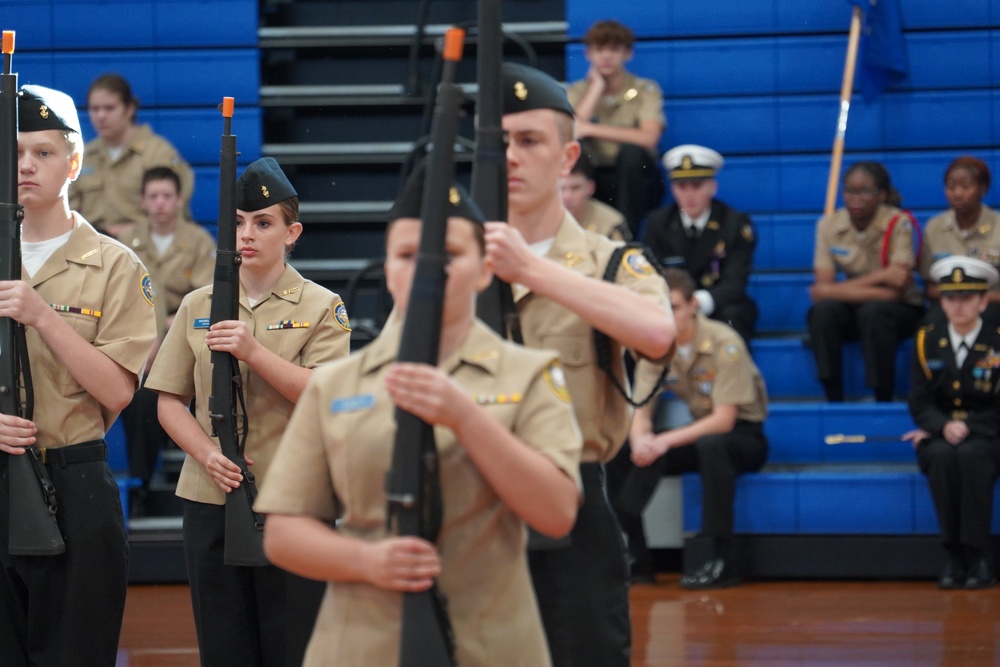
(711, 240)
(954, 401)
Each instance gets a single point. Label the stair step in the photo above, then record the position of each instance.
(553, 32)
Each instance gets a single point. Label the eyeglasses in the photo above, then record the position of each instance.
(860, 192)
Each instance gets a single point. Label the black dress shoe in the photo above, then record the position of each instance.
(980, 574)
(715, 573)
(953, 575)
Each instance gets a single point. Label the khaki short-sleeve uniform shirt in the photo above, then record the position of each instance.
(101, 289)
(332, 462)
(299, 321)
(603, 413)
(637, 100)
(109, 191)
(840, 246)
(605, 220)
(943, 238)
(717, 371)
(189, 262)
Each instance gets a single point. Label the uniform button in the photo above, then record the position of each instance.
(958, 401)
(956, 385)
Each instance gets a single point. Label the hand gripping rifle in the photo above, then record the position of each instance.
(226, 407)
(413, 488)
(33, 527)
(495, 306)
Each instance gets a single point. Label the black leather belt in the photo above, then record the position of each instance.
(85, 452)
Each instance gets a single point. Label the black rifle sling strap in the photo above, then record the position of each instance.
(602, 343)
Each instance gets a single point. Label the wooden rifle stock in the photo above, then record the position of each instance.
(412, 486)
(226, 407)
(495, 305)
(33, 527)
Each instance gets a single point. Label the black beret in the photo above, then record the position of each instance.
(263, 184)
(526, 88)
(40, 108)
(408, 205)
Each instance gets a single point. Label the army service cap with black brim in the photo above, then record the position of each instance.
(690, 162)
(526, 89)
(40, 108)
(262, 184)
(958, 275)
(410, 202)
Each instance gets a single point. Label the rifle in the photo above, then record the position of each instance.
(226, 407)
(495, 305)
(33, 527)
(413, 488)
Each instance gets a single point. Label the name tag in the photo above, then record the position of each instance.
(840, 252)
(202, 323)
(352, 403)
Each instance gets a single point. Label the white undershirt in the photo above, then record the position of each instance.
(541, 248)
(34, 255)
(161, 242)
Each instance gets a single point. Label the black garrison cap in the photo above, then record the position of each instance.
(526, 88)
(40, 108)
(261, 185)
(409, 203)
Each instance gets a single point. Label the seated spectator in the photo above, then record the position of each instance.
(711, 240)
(968, 227)
(713, 374)
(954, 401)
(180, 257)
(593, 215)
(619, 120)
(871, 242)
(109, 188)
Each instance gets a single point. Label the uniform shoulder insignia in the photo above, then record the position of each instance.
(556, 380)
(712, 224)
(635, 262)
(731, 352)
(747, 232)
(943, 343)
(146, 287)
(340, 316)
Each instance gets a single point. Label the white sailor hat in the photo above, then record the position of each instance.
(690, 161)
(957, 273)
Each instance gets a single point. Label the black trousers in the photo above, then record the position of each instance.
(63, 610)
(719, 459)
(582, 589)
(634, 185)
(740, 315)
(879, 325)
(244, 616)
(144, 436)
(961, 479)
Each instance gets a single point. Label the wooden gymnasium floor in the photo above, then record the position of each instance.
(761, 623)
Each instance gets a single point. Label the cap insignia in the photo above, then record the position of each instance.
(43, 111)
(520, 91)
(956, 276)
(454, 198)
(263, 191)
(686, 162)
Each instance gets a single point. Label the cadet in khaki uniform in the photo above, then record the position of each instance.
(180, 256)
(108, 190)
(577, 191)
(968, 228)
(87, 303)
(509, 451)
(287, 327)
(713, 374)
(878, 301)
(954, 400)
(620, 120)
(555, 269)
